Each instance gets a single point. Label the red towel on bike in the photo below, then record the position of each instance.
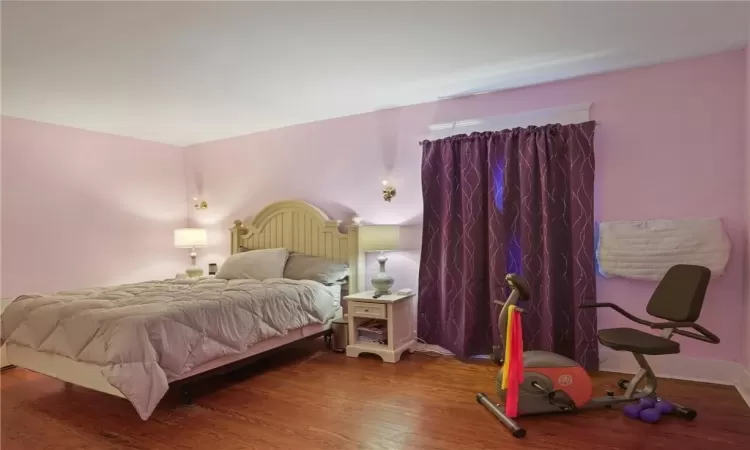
(515, 371)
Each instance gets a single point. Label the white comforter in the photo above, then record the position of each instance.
(144, 334)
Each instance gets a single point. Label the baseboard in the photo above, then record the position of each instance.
(682, 368)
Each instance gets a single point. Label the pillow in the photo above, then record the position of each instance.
(305, 267)
(257, 264)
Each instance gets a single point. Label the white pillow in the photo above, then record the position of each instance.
(257, 264)
(305, 267)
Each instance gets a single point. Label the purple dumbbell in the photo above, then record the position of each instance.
(633, 410)
(664, 407)
(650, 415)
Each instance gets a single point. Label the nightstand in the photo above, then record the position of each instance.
(394, 312)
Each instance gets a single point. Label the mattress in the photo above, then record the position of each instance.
(90, 375)
(142, 336)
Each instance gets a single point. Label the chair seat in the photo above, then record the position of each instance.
(632, 340)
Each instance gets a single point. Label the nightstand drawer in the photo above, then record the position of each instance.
(367, 309)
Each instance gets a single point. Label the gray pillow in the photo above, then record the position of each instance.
(305, 267)
(257, 264)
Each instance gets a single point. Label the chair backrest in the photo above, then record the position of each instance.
(679, 295)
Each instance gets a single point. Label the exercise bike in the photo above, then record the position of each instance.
(553, 383)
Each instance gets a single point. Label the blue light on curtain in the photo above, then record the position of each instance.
(499, 181)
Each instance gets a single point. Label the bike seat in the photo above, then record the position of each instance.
(636, 341)
(518, 283)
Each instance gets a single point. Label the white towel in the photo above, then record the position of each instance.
(646, 249)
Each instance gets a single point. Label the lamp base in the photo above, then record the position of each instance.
(383, 292)
(194, 271)
(382, 282)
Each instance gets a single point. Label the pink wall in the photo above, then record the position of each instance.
(667, 146)
(83, 209)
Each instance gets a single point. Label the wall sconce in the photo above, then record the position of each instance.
(200, 204)
(388, 191)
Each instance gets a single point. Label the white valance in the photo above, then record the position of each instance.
(563, 115)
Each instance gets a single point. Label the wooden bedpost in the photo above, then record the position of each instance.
(356, 261)
(238, 230)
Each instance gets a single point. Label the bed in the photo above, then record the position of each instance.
(136, 341)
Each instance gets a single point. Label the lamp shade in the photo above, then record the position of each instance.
(374, 238)
(189, 237)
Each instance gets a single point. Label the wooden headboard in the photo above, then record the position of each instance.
(302, 228)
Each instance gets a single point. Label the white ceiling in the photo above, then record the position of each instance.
(183, 73)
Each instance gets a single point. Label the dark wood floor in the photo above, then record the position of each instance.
(312, 399)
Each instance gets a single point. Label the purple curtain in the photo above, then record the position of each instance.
(512, 201)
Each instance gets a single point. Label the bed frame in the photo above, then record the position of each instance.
(294, 225)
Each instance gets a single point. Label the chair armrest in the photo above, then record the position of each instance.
(619, 310)
(705, 335)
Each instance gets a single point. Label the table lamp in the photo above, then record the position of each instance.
(379, 238)
(191, 238)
